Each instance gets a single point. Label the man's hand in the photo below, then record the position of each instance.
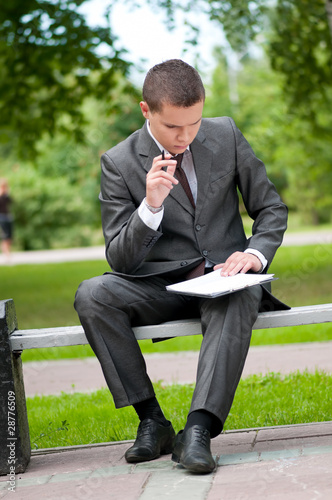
(159, 182)
(239, 262)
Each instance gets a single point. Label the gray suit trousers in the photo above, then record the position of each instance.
(109, 306)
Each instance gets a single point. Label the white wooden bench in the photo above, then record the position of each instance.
(13, 341)
(74, 335)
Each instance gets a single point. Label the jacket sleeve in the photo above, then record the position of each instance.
(128, 240)
(261, 200)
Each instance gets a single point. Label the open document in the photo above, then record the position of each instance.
(213, 285)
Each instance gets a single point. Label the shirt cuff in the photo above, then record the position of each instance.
(153, 221)
(259, 255)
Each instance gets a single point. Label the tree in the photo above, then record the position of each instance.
(50, 62)
(301, 50)
(298, 160)
(297, 35)
(56, 196)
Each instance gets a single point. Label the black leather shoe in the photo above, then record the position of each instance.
(192, 450)
(153, 440)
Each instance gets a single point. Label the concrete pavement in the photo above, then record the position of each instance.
(85, 375)
(320, 236)
(278, 463)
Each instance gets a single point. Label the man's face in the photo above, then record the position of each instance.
(175, 128)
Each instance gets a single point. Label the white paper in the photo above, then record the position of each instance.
(213, 284)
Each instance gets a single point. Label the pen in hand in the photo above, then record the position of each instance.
(163, 158)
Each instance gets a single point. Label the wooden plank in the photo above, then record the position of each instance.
(47, 337)
(74, 335)
(305, 315)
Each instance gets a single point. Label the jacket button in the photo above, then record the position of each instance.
(184, 263)
(198, 227)
(205, 252)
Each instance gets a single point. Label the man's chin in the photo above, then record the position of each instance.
(179, 149)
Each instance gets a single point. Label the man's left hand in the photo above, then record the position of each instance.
(239, 262)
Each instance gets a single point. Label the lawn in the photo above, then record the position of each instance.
(44, 295)
(75, 419)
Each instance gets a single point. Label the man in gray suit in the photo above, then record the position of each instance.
(158, 232)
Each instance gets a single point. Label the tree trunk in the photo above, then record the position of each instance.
(329, 14)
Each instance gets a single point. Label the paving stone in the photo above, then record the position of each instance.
(177, 485)
(233, 442)
(279, 454)
(238, 458)
(303, 478)
(77, 458)
(116, 488)
(279, 471)
(293, 443)
(155, 465)
(295, 431)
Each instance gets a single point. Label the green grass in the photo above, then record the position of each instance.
(44, 295)
(75, 419)
(296, 224)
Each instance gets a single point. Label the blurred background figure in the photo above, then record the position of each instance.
(6, 219)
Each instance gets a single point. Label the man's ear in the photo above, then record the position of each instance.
(145, 109)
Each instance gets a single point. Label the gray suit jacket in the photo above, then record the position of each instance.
(225, 164)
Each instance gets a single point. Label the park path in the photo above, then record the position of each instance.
(85, 375)
(322, 237)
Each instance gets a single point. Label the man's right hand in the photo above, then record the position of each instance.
(159, 182)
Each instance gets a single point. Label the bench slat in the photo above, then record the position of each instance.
(74, 335)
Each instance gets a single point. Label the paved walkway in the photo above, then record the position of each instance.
(276, 463)
(85, 375)
(98, 253)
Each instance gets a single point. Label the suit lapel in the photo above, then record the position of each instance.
(202, 158)
(180, 196)
(148, 150)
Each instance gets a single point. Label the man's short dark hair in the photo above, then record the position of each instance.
(172, 82)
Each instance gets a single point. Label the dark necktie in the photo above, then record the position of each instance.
(182, 178)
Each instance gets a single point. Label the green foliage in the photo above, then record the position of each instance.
(297, 156)
(301, 50)
(297, 35)
(240, 20)
(56, 197)
(50, 62)
(46, 207)
(283, 400)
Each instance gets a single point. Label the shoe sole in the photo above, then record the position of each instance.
(139, 458)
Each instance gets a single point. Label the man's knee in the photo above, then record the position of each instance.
(84, 295)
